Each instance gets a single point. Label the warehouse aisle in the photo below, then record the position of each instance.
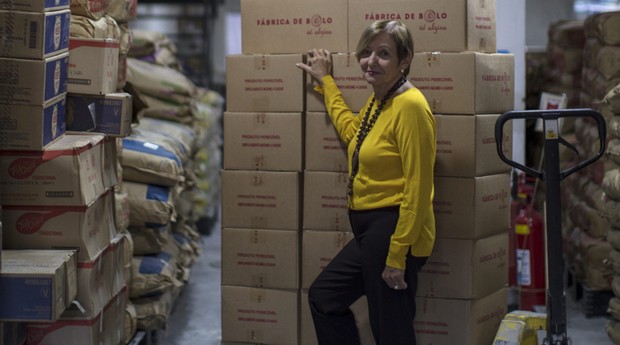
(196, 317)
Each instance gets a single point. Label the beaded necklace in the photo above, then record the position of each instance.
(365, 128)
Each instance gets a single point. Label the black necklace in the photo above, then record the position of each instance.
(365, 127)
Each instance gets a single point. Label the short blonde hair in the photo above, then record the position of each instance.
(397, 31)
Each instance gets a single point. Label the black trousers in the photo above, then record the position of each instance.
(356, 271)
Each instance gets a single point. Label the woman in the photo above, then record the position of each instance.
(390, 193)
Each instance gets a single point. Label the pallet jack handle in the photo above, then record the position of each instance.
(552, 176)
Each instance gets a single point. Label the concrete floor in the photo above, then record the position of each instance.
(196, 317)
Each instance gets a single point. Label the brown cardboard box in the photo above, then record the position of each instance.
(350, 80)
(12, 333)
(447, 26)
(325, 201)
(263, 141)
(360, 311)
(324, 150)
(280, 26)
(463, 322)
(34, 35)
(261, 199)
(73, 171)
(37, 285)
(265, 316)
(465, 269)
(33, 82)
(260, 258)
(99, 280)
(465, 83)
(319, 248)
(32, 127)
(469, 208)
(88, 229)
(34, 6)
(264, 83)
(105, 328)
(110, 114)
(466, 146)
(93, 65)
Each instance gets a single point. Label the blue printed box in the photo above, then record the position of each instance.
(35, 82)
(33, 35)
(37, 285)
(34, 5)
(32, 127)
(109, 114)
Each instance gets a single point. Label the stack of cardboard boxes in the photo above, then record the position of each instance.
(57, 187)
(462, 295)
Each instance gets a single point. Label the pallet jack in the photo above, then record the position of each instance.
(522, 327)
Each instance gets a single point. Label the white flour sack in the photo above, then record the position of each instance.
(180, 137)
(160, 81)
(148, 162)
(150, 205)
(611, 184)
(149, 240)
(153, 275)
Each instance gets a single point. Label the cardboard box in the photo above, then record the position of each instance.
(465, 269)
(466, 146)
(447, 26)
(276, 26)
(73, 171)
(31, 35)
(319, 248)
(96, 286)
(360, 312)
(12, 333)
(324, 150)
(470, 208)
(464, 322)
(93, 65)
(32, 127)
(260, 258)
(261, 199)
(350, 79)
(263, 141)
(34, 6)
(36, 285)
(35, 82)
(465, 83)
(106, 328)
(110, 114)
(265, 316)
(264, 83)
(325, 201)
(88, 229)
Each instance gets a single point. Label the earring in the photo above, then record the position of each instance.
(402, 71)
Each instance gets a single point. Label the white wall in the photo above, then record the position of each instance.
(541, 13)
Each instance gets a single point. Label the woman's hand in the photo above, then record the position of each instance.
(394, 278)
(318, 65)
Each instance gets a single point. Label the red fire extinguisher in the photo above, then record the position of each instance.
(530, 255)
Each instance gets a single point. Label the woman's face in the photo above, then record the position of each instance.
(379, 62)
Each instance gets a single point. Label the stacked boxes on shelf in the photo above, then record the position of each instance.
(467, 86)
(58, 186)
(37, 285)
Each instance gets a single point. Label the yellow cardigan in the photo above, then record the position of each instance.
(396, 165)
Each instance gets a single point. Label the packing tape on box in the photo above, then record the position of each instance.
(257, 296)
(261, 62)
(255, 335)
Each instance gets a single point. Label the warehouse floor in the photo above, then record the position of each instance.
(196, 317)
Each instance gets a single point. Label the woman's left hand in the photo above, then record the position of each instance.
(394, 278)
